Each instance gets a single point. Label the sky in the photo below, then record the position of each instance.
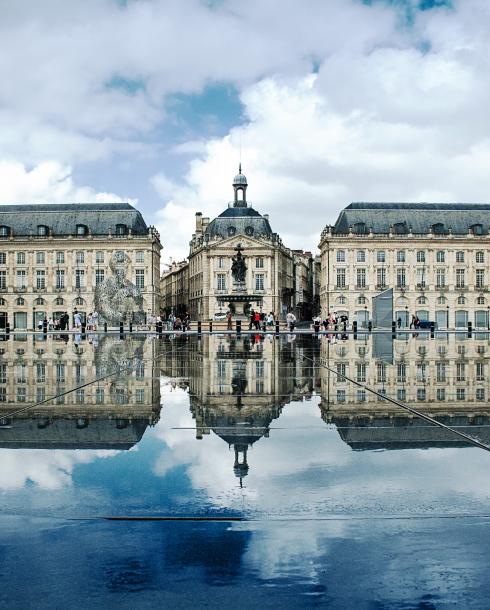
(324, 101)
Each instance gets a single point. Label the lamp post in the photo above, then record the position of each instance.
(488, 317)
(34, 318)
(447, 316)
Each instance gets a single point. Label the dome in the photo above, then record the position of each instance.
(239, 221)
(240, 180)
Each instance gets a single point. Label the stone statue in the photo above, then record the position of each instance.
(116, 298)
(238, 266)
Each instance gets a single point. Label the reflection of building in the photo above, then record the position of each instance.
(446, 378)
(214, 285)
(238, 387)
(53, 256)
(434, 256)
(112, 412)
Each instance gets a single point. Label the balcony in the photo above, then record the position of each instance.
(381, 286)
(43, 289)
(481, 288)
(421, 287)
(20, 289)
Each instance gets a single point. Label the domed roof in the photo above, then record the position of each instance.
(239, 221)
(240, 179)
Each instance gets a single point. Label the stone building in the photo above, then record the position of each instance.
(434, 256)
(53, 256)
(174, 289)
(237, 262)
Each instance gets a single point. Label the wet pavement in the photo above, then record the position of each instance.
(225, 471)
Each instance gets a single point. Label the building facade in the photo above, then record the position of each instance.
(53, 256)
(435, 257)
(236, 262)
(174, 289)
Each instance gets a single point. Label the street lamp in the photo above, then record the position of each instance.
(34, 318)
(447, 316)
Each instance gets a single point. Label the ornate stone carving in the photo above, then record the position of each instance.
(116, 298)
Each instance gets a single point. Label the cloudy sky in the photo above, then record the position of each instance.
(330, 101)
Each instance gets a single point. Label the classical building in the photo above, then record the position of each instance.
(434, 256)
(237, 262)
(111, 413)
(446, 378)
(174, 289)
(53, 256)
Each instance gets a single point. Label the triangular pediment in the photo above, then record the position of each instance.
(245, 241)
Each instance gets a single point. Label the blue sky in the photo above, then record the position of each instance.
(150, 101)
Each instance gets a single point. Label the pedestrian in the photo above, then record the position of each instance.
(270, 319)
(95, 320)
(229, 320)
(77, 319)
(290, 321)
(257, 320)
(399, 322)
(89, 321)
(252, 319)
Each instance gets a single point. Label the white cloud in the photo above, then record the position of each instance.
(48, 182)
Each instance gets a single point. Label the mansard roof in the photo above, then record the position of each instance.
(239, 221)
(62, 219)
(419, 218)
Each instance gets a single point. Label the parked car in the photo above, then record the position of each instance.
(425, 323)
(220, 316)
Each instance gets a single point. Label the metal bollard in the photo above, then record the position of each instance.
(7, 329)
(130, 327)
(199, 327)
(277, 327)
(370, 326)
(45, 327)
(432, 329)
(105, 327)
(317, 327)
(470, 330)
(354, 328)
(210, 326)
(84, 328)
(159, 328)
(121, 328)
(238, 327)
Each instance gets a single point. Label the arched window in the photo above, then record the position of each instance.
(40, 301)
(361, 300)
(121, 229)
(461, 300)
(3, 301)
(58, 301)
(441, 300)
(4, 231)
(422, 300)
(79, 301)
(42, 230)
(82, 230)
(460, 256)
(480, 300)
(20, 301)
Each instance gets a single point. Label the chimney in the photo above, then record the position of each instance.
(205, 222)
(198, 223)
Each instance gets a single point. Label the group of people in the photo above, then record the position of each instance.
(332, 321)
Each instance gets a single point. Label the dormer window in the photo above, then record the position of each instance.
(82, 230)
(4, 231)
(249, 230)
(121, 229)
(360, 228)
(438, 228)
(231, 230)
(42, 230)
(400, 228)
(477, 229)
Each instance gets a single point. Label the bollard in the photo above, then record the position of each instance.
(121, 329)
(105, 327)
(130, 327)
(469, 330)
(317, 327)
(432, 328)
(7, 329)
(199, 327)
(370, 326)
(238, 327)
(84, 327)
(393, 327)
(159, 328)
(277, 327)
(354, 328)
(210, 326)
(45, 327)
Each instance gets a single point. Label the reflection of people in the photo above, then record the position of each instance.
(229, 320)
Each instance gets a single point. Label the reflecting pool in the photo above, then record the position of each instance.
(228, 470)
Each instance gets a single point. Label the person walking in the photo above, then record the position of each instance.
(290, 321)
(257, 320)
(77, 319)
(270, 319)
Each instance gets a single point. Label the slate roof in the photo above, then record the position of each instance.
(419, 217)
(62, 219)
(239, 221)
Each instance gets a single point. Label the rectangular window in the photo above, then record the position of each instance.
(401, 372)
(480, 393)
(421, 371)
(441, 372)
(60, 258)
(99, 396)
(40, 278)
(361, 278)
(480, 278)
(440, 278)
(480, 371)
(3, 258)
(460, 394)
(380, 256)
(80, 397)
(79, 278)
(441, 394)
(80, 258)
(99, 257)
(259, 262)
(460, 371)
(40, 394)
(421, 256)
(340, 396)
(401, 281)
(40, 259)
(21, 394)
(99, 276)
(20, 279)
(140, 396)
(21, 372)
(259, 281)
(140, 278)
(361, 395)
(361, 372)
(60, 279)
(400, 256)
(21, 258)
(420, 277)
(40, 372)
(140, 256)
(340, 278)
(3, 373)
(381, 372)
(480, 257)
(381, 277)
(341, 370)
(401, 394)
(460, 257)
(440, 256)
(3, 280)
(221, 281)
(361, 256)
(341, 256)
(421, 394)
(459, 278)
(60, 372)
